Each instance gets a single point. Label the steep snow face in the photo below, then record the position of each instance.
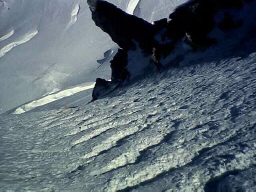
(191, 128)
(47, 46)
(186, 129)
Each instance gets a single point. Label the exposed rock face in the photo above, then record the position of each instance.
(100, 87)
(196, 19)
(92, 4)
(192, 23)
(118, 66)
(124, 29)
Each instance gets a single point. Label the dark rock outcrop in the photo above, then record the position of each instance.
(118, 66)
(191, 23)
(124, 29)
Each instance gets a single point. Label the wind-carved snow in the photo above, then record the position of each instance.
(173, 131)
(131, 156)
(184, 129)
(23, 40)
(6, 36)
(74, 16)
(132, 6)
(52, 97)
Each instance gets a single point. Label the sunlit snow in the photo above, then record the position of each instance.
(186, 129)
(52, 97)
(24, 39)
(74, 15)
(8, 35)
(67, 39)
(179, 130)
(131, 6)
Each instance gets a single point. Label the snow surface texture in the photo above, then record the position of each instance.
(191, 128)
(64, 51)
(187, 129)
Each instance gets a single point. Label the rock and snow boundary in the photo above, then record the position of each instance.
(191, 128)
(194, 28)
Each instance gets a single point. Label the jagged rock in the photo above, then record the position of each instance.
(118, 66)
(104, 87)
(100, 85)
(196, 19)
(191, 23)
(124, 29)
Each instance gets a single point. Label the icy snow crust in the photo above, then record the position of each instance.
(187, 129)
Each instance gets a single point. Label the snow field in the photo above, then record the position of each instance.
(173, 131)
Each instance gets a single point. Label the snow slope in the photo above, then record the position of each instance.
(186, 129)
(48, 46)
(191, 128)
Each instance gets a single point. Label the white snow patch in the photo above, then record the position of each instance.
(50, 98)
(25, 39)
(6, 36)
(74, 15)
(132, 6)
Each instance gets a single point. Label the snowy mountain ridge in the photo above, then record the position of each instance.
(63, 54)
(180, 129)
